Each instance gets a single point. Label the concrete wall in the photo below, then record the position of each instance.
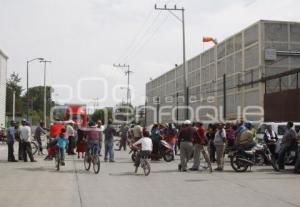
(3, 74)
(241, 57)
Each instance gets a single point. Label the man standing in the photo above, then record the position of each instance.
(287, 142)
(124, 136)
(101, 127)
(11, 132)
(109, 142)
(185, 137)
(71, 138)
(37, 135)
(219, 141)
(199, 148)
(25, 136)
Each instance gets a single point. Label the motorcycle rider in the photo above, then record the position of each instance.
(245, 139)
(288, 141)
(146, 148)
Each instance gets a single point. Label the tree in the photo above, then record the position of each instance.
(102, 114)
(13, 85)
(36, 102)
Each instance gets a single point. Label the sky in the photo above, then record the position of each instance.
(84, 38)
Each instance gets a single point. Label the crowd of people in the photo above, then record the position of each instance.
(192, 139)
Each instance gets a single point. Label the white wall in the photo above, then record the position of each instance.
(3, 74)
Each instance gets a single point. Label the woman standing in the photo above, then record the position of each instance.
(80, 148)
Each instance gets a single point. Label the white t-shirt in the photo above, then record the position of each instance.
(70, 131)
(146, 143)
(25, 133)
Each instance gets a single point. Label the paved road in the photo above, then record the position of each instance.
(39, 185)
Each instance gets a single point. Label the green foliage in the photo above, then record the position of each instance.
(102, 114)
(13, 85)
(36, 99)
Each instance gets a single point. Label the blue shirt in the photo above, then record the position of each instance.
(61, 142)
(11, 131)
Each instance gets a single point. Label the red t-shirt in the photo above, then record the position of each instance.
(55, 129)
(201, 133)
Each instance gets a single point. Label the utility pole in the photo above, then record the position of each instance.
(127, 73)
(224, 97)
(165, 8)
(45, 90)
(14, 105)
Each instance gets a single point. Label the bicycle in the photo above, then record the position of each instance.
(91, 156)
(145, 164)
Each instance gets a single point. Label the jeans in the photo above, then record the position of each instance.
(198, 148)
(109, 150)
(220, 155)
(61, 151)
(90, 146)
(10, 146)
(39, 141)
(186, 149)
(174, 149)
(212, 151)
(281, 156)
(27, 150)
(20, 151)
(71, 145)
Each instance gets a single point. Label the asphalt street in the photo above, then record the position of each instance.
(40, 185)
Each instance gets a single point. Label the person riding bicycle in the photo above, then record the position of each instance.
(146, 148)
(61, 143)
(93, 134)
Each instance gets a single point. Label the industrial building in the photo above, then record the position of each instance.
(260, 65)
(3, 72)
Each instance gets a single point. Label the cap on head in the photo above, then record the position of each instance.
(187, 122)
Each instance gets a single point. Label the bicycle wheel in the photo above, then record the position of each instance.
(146, 167)
(87, 162)
(96, 164)
(34, 147)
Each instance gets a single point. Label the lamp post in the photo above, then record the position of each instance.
(27, 84)
(45, 90)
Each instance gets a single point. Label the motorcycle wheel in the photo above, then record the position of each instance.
(168, 156)
(237, 165)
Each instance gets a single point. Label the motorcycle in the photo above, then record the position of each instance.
(165, 151)
(242, 159)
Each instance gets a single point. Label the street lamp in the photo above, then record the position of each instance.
(45, 91)
(27, 68)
